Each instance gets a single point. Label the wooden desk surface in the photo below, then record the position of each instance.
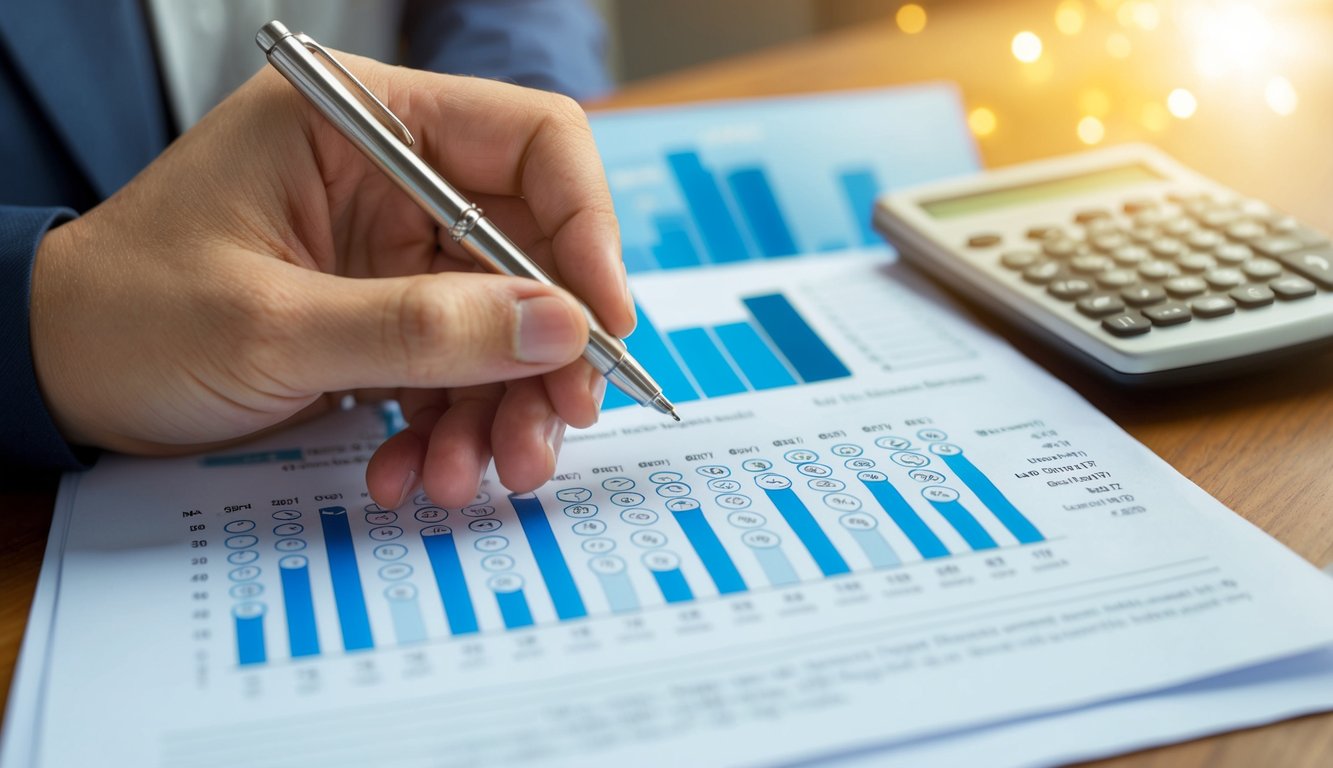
(1259, 444)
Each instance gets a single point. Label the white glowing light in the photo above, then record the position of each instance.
(1090, 130)
(1228, 36)
(1026, 47)
(1182, 103)
(1281, 96)
(1069, 17)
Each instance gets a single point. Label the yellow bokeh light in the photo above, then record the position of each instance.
(982, 121)
(1090, 130)
(1026, 47)
(1069, 17)
(1182, 103)
(1281, 96)
(911, 18)
(1145, 15)
(1118, 45)
(1095, 102)
(1154, 117)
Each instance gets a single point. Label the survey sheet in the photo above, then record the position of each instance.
(878, 534)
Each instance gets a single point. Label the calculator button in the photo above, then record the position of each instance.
(1256, 208)
(1224, 278)
(1278, 245)
(1043, 233)
(1143, 234)
(1043, 272)
(1069, 288)
(1110, 242)
(1170, 313)
(1127, 324)
(1246, 231)
(1282, 225)
(1150, 219)
(1196, 262)
(1020, 259)
(1314, 265)
(1291, 288)
(1178, 227)
(1166, 248)
(1184, 197)
(1138, 205)
(1130, 255)
(1233, 253)
(1218, 218)
(1060, 248)
(1143, 295)
(1101, 228)
(1204, 240)
(1100, 305)
(1091, 215)
(1212, 306)
(1089, 263)
(1262, 269)
(1117, 278)
(1183, 287)
(983, 240)
(1252, 296)
(1158, 270)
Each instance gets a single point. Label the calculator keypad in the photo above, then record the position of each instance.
(1157, 263)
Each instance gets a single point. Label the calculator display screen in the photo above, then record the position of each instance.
(1040, 191)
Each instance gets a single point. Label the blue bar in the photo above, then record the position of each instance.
(807, 530)
(967, 525)
(1004, 511)
(638, 260)
(861, 189)
(906, 518)
(673, 585)
(715, 375)
(760, 207)
(619, 591)
(776, 566)
(755, 358)
(714, 556)
(674, 248)
(406, 612)
(263, 457)
(443, 556)
(550, 561)
(722, 238)
(616, 399)
(302, 636)
(347, 594)
(249, 635)
(648, 346)
(876, 548)
(797, 341)
(514, 609)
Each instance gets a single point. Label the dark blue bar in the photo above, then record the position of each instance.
(250, 640)
(673, 585)
(638, 260)
(967, 525)
(514, 609)
(550, 561)
(648, 346)
(861, 189)
(756, 359)
(722, 238)
(347, 594)
(760, 207)
(449, 578)
(808, 531)
(302, 636)
(715, 375)
(906, 518)
(1004, 511)
(794, 337)
(714, 556)
(674, 248)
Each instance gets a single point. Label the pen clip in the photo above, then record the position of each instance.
(387, 118)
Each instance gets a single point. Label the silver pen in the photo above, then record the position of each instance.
(384, 139)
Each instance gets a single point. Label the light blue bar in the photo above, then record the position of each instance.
(550, 561)
(776, 566)
(722, 238)
(760, 207)
(710, 550)
(619, 591)
(861, 188)
(638, 260)
(807, 530)
(673, 585)
(648, 346)
(756, 359)
(674, 248)
(443, 555)
(250, 640)
(407, 623)
(715, 375)
(347, 593)
(262, 457)
(514, 609)
(966, 525)
(302, 635)
(876, 548)
(995, 501)
(794, 337)
(616, 399)
(906, 518)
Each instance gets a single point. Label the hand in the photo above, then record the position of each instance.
(262, 268)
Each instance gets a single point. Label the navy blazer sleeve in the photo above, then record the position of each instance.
(555, 45)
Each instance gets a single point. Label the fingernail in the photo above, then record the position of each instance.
(597, 389)
(545, 331)
(555, 436)
(409, 485)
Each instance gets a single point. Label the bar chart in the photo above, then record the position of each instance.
(379, 578)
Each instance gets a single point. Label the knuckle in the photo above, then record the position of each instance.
(434, 329)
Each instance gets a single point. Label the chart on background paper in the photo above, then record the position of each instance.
(771, 178)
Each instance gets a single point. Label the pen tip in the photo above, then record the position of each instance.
(675, 415)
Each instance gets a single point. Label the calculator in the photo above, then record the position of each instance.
(1126, 259)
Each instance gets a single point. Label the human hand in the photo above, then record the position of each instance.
(262, 268)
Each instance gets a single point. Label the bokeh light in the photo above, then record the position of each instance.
(1095, 102)
(1026, 47)
(911, 18)
(1182, 103)
(1281, 96)
(982, 122)
(1090, 130)
(1069, 17)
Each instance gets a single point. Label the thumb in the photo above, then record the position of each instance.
(426, 331)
